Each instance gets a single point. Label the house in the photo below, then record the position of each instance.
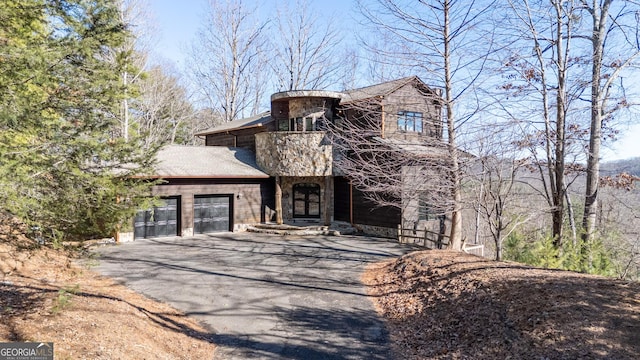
(279, 166)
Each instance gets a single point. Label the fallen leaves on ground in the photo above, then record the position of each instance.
(46, 297)
(450, 305)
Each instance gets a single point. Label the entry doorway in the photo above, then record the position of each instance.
(306, 201)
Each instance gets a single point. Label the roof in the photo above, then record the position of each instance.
(180, 161)
(306, 93)
(347, 96)
(253, 121)
(381, 89)
(417, 148)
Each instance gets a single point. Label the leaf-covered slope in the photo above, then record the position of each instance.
(449, 305)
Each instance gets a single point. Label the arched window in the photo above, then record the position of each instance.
(306, 201)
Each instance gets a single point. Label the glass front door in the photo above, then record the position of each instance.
(306, 201)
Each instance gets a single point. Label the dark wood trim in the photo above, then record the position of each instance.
(278, 199)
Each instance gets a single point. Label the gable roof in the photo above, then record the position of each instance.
(253, 121)
(382, 89)
(180, 161)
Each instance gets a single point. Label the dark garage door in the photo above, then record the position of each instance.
(211, 214)
(160, 221)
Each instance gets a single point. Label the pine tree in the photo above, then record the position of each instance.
(62, 165)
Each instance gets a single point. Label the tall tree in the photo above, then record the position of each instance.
(542, 77)
(615, 45)
(306, 51)
(135, 48)
(441, 40)
(228, 58)
(62, 167)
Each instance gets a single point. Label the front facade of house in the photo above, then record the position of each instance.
(278, 166)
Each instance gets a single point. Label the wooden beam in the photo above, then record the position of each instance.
(327, 199)
(278, 201)
(382, 125)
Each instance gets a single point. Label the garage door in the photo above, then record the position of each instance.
(160, 221)
(211, 214)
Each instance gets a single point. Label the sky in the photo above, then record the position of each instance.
(177, 23)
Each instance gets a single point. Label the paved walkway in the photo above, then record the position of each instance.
(264, 296)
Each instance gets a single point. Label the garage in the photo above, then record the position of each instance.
(212, 213)
(160, 221)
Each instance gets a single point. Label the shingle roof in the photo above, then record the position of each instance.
(382, 89)
(179, 161)
(253, 121)
(417, 148)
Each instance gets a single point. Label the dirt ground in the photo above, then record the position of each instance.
(46, 297)
(448, 305)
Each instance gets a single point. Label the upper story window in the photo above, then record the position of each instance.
(312, 121)
(410, 121)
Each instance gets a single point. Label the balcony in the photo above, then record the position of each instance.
(294, 153)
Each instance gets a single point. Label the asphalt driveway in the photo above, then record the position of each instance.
(264, 296)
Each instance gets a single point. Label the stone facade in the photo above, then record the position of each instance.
(381, 231)
(294, 153)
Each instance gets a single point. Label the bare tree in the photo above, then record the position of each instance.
(227, 59)
(500, 190)
(135, 14)
(437, 39)
(164, 113)
(615, 32)
(306, 52)
(541, 80)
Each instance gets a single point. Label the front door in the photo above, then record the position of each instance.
(306, 201)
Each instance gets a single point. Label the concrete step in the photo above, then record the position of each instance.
(336, 229)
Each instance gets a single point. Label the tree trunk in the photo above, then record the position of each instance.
(599, 16)
(572, 220)
(125, 108)
(560, 140)
(455, 236)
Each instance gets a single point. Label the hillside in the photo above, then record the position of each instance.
(629, 166)
(448, 305)
(46, 297)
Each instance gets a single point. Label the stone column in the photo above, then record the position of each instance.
(278, 201)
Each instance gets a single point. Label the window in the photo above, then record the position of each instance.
(425, 210)
(410, 121)
(284, 125)
(307, 123)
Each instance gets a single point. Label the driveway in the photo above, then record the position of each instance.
(264, 296)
